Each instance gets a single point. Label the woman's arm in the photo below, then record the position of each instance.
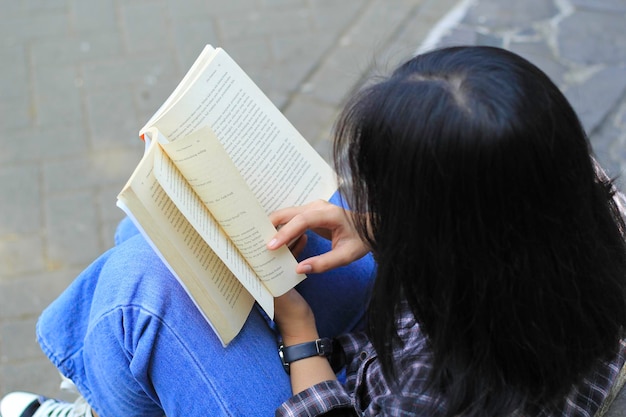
(293, 315)
(296, 323)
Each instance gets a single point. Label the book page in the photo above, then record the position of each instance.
(201, 220)
(220, 297)
(278, 164)
(201, 160)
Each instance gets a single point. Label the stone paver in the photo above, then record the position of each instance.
(78, 80)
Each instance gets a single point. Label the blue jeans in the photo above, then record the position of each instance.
(132, 341)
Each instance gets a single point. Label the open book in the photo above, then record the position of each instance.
(219, 158)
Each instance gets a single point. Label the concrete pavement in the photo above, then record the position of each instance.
(78, 79)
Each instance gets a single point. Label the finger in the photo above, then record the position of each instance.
(340, 256)
(289, 232)
(287, 235)
(282, 216)
(321, 221)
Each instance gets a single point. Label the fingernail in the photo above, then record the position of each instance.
(271, 243)
(306, 269)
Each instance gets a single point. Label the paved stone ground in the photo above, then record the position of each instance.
(78, 79)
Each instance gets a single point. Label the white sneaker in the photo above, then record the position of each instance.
(25, 404)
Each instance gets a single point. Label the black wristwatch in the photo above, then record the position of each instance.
(319, 347)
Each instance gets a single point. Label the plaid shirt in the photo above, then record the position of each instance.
(366, 393)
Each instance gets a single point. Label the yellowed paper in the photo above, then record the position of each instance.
(207, 168)
(215, 290)
(279, 166)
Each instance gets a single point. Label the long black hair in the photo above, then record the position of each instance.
(470, 175)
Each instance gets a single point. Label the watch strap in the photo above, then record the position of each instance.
(319, 347)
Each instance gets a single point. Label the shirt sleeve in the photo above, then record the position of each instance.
(328, 398)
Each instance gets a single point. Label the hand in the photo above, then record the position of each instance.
(327, 220)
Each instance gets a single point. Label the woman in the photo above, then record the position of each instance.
(500, 263)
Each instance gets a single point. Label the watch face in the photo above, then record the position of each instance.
(281, 355)
(325, 347)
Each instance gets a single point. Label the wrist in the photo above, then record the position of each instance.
(300, 331)
(305, 337)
